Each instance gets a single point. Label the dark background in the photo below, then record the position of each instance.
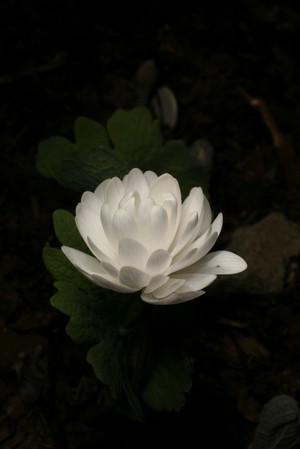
(60, 60)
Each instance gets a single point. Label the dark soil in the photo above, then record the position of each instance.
(61, 60)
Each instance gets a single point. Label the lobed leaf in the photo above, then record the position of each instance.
(84, 310)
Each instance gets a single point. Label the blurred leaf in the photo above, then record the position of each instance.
(90, 134)
(50, 155)
(134, 134)
(169, 380)
(66, 230)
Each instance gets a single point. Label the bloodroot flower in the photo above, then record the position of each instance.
(143, 237)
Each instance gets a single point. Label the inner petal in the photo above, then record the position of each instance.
(124, 225)
(165, 184)
(130, 202)
(135, 180)
(159, 227)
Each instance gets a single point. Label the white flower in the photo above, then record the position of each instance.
(143, 237)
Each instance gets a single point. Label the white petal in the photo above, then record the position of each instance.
(114, 285)
(134, 278)
(159, 227)
(173, 209)
(135, 180)
(220, 262)
(89, 201)
(195, 281)
(199, 247)
(205, 216)
(165, 184)
(106, 220)
(114, 192)
(84, 262)
(132, 253)
(173, 298)
(186, 233)
(130, 202)
(156, 282)
(100, 191)
(158, 262)
(194, 254)
(169, 287)
(107, 256)
(150, 177)
(90, 227)
(124, 225)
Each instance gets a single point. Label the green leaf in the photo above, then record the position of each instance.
(168, 381)
(66, 230)
(62, 269)
(50, 155)
(88, 171)
(90, 134)
(84, 310)
(108, 360)
(134, 135)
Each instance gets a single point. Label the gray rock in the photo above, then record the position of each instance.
(267, 247)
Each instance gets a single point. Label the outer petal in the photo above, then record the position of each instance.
(132, 253)
(173, 298)
(134, 278)
(195, 281)
(90, 227)
(104, 275)
(83, 262)
(219, 262)
(199, 247)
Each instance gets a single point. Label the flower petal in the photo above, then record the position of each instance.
(132, 253)
(134, 278)
(158, 262)
(173, 298)
(83, 262)
(199, 247)
(186, 233)
(195, 281)
(169, 287)
(114, 192)
(156, 282)
(90, 228)
(220, 262)
(150, 177)
(114, 285)
(135, 180)
(165, 184)
(123, 225)
(159, 227)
